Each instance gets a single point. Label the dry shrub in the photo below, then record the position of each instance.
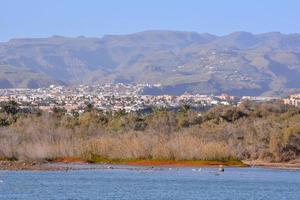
(154, 146)
(264, 133)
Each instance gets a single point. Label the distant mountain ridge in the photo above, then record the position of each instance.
(240, 63)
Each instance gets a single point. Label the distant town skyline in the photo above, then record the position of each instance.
(33, 18)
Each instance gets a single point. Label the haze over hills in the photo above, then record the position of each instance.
(240, 63)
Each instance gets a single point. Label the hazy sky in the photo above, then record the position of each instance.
(44, 18)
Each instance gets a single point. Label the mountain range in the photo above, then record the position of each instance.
(240, 63)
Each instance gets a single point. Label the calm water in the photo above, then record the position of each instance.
(144, 183)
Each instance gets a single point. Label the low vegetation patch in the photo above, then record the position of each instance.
(224, 134)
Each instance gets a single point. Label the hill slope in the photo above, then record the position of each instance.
(240, 63)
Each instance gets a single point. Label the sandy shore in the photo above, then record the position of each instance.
(258, 163)
(35, 166)
(196, 163)
(46, 166)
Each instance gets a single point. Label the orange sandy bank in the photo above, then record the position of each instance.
(174, 163)
(183, 163)
(68, 160)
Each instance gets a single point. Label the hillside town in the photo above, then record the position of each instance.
(114, 97)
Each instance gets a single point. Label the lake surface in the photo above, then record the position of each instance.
(146, 183)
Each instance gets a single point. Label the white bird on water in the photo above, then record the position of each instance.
(199, 170)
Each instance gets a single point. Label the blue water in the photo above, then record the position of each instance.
(146, 183)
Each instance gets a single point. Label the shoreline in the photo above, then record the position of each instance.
(196, 163)
(51, 166)
(274, 165)
(30, 166)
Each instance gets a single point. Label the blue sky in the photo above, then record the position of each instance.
(44, 18)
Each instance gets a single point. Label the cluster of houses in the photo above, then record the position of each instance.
(114, 97)
(293, 100)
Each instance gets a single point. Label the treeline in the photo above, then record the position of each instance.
(268, 131)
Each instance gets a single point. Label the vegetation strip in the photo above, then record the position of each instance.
(250, 131)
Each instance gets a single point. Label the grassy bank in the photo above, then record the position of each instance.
(224, 134)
